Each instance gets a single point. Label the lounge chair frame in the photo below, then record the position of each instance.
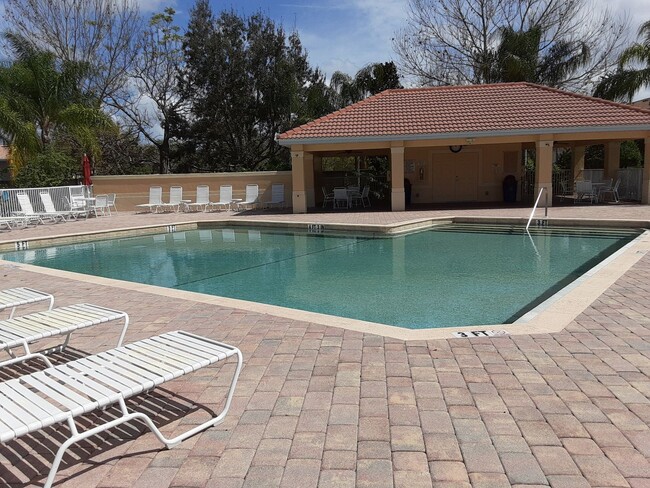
(62, 393)
(62, 321)
(15, 297)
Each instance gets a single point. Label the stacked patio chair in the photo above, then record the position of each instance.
(59, 394)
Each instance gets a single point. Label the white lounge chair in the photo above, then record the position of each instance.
(11, 222)
(155, 200)
(62, 393)
(48, 204)
(28, 211)
(23, 330)
(584, 190)
(175, 199)
(15, 297)
(277, 196)
(225, 198)
(252, 197)
(202, 199)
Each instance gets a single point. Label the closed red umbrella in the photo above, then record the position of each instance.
(86, 170)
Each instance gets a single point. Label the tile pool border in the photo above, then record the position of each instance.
(553, 315)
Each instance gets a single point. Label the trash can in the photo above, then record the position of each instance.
(407, 191)
(510, 189)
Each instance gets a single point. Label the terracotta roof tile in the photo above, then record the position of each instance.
(469, 109)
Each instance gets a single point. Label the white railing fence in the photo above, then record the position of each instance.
(61, 196)
(631, 183)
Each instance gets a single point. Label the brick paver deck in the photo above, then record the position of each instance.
(327, 407)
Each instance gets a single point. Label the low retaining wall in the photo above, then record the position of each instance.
(132, 190)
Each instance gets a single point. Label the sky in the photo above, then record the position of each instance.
(345, 35)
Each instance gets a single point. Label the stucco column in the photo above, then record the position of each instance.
(578, 161)
(397, 196)
(645, 190)
(299, 195)
(308, 164)
(544, 170)
(612, 159)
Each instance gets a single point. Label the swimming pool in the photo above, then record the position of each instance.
(445, 276)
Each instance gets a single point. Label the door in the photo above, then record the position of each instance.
(455, 177)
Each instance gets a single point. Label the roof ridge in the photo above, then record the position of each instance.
(455, 87)
(588, 97)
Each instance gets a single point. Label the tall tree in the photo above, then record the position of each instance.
(518, 58)
(245, 80)
(453, 41)
(41, 105)
(102, 34)
(369, 80)
(152, 104)
(633, 71)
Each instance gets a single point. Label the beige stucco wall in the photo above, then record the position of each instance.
(132, 190)
(428, 171)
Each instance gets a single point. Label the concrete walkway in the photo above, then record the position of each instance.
(327, 407)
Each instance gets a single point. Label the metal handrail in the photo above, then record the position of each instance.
(541, 190)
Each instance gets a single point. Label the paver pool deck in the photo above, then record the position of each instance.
(329, 407)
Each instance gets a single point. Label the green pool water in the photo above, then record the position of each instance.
(446, 276)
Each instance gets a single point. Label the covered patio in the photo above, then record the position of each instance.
(458, 144)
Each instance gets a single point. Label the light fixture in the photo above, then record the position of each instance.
(455, 149)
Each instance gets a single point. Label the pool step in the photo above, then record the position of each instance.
(543, 229)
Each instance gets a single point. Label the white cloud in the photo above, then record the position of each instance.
(149, 6)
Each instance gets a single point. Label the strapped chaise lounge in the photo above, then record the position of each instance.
(20, 331)
(59, 394)
(15, 297)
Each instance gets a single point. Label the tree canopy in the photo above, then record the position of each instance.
(42, 109)
(633, 71)
(564, 43)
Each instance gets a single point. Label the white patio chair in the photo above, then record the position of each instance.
(175, 199)
(62, 321)
(15, 297)
(252, 197)
(100, 205)
(225, 198)
(48, 205)
(78, 206)
(277, 196)
(202, 199)
(611, 190)
(111, 202)
(27, 211)
(60, 394)
(585, 190)
(354, 194)
(155, 200)
(341, 198)
(11, 222)
(327, 197)
(365, 196)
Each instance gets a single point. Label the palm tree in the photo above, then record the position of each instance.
(521, 56)
(624, 83)
(369, 80)
(41, 103)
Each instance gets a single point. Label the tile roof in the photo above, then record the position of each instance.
(469, 109)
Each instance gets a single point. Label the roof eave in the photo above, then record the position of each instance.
(460, 135)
